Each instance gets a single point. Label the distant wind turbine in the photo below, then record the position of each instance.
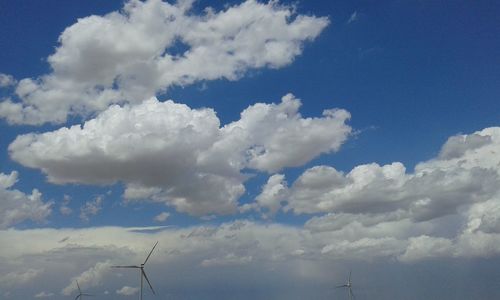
(143, 274)
(80, 294)
(348, 286)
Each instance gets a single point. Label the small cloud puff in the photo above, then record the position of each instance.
(127, 291)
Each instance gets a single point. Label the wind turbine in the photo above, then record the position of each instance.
(143, 274)
(80, 294)
(348, 286)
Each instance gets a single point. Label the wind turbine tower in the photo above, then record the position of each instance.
(80, 294)
(143, 273)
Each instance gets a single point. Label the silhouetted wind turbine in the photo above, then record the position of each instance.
(80, 294)
(348, 285)
(143, 274)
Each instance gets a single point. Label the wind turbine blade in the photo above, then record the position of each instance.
(133, 267)
(351, 293)
(350, 276)
(150, 253)
(146, 277)
(341, 286)
(76, 298)
(80, 291)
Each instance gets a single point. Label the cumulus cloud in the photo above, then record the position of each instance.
(6, 80)
(127, 291)
(484, 217)
(269, 150)
(91, 208)
(44, 294)
(170, 153)
(463, 174)
(364, 248)
(130, 55)
(19, 277)
(447, 207)
(89, 278)
(353, 226)
(162, 217)
(457, 146)
(273, 192)
(427, 247)
(17, 206)
(64, 208)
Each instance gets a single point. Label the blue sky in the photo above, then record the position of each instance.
(303, 139)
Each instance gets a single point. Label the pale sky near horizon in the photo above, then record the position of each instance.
(269, 147)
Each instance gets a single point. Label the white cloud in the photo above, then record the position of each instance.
(447, 207)
(170, 153)
(364, 248)
(19, 277)
(7, 181)
(94, 276)
(353, 18)
(6, 80)
(422, 247)
(273, 192)
(162, 217)
(127, 291)
(484, 216)
(354, 226)
(91, 208)
(16, 206)
(135, 192)
(366, 188)
(129, 55)
(477, 244)
(228, 260)
(463, 174)
(64, 209)
(44, 294)
(457, 146)
(270, 150)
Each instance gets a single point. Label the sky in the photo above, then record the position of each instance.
(271, 148)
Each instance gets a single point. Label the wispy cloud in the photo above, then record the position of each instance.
(353, 18)
(64, 209)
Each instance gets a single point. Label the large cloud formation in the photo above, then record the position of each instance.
(171, 153)
(466, 172)
(449, 206)
(130, 55)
